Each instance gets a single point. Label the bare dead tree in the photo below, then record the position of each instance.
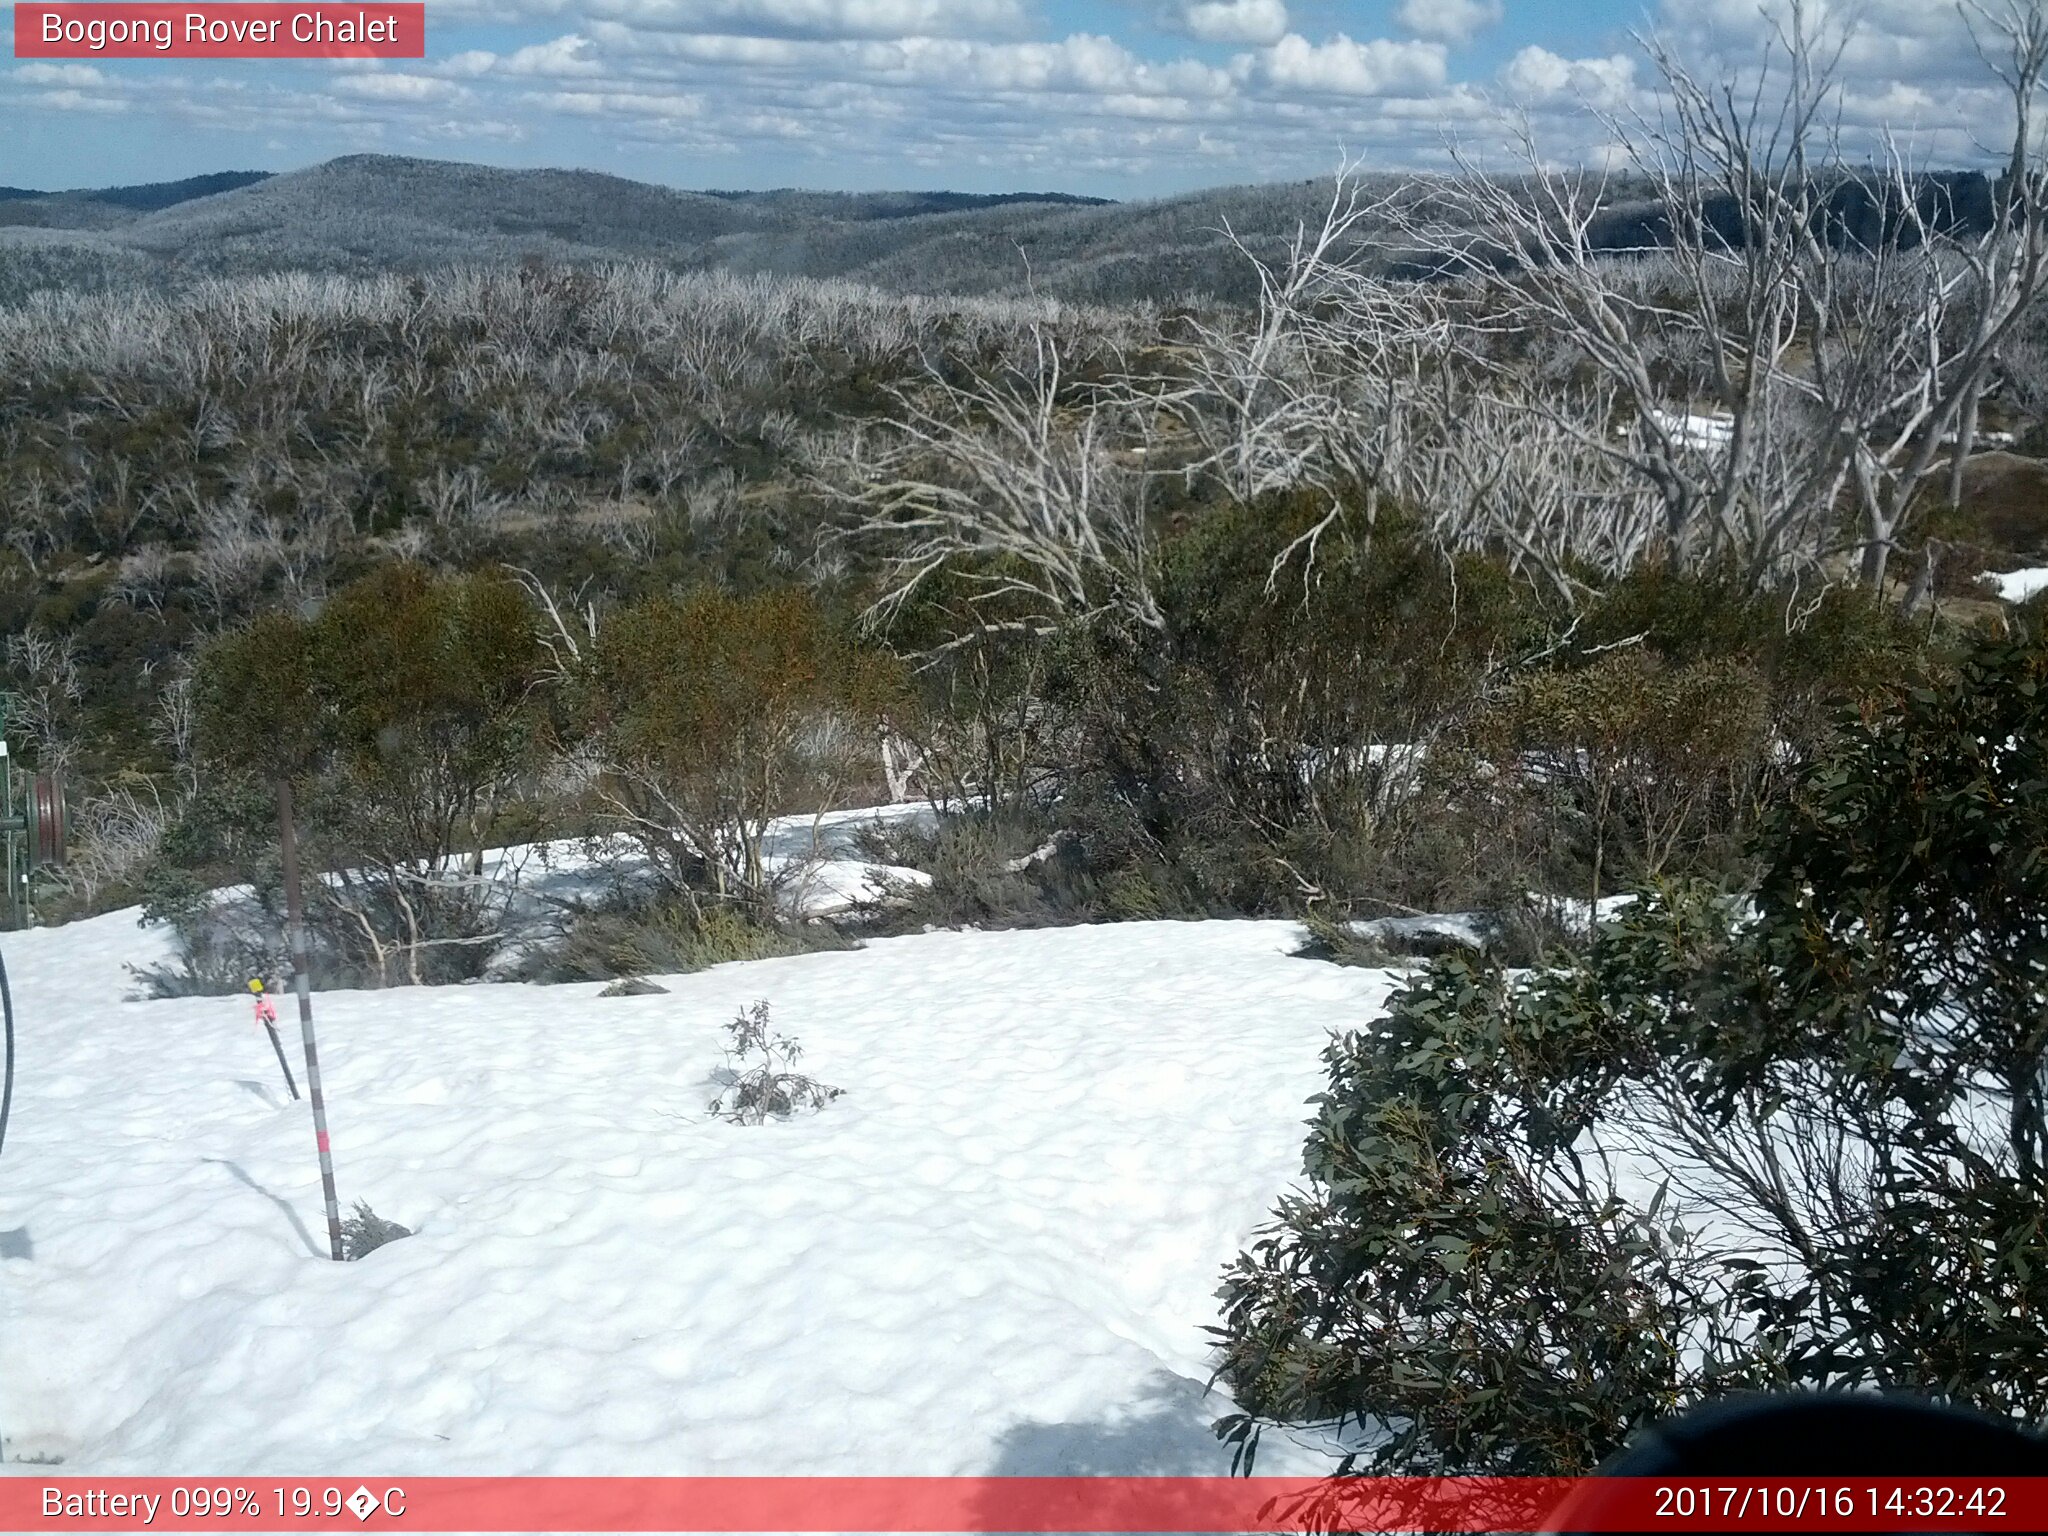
(1014, 485)
(457, 498)
(1517, 483)
(115, 835)
(1263, 396)
(34, 523)
(1710, 343)
(1754, 366)
(565, 635)
(1907, 369)
(171, 728)
(143, 575)
(232, 556)
(1323, 383)
(300, 549)
(49, 688)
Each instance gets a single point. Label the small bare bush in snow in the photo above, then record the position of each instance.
(765, 1084)
(363, 1232)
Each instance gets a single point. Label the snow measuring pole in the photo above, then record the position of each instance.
(288, 846)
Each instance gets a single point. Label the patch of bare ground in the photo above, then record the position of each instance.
(2001, 524)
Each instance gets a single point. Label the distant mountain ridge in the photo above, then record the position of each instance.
(145, 197)
(149, 197)
(905, 205)
(376, 213)
(364, 214)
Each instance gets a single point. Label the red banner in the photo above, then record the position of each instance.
(115, 29)
(1048, 1504)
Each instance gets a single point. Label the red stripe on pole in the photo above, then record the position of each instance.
(211, 29)
(320, 1141)
(1029, 1504)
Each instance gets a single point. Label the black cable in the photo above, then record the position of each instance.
(6, 1071)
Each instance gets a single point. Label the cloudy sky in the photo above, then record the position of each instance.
(1121, 98)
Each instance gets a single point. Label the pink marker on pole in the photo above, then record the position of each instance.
(266, 1015)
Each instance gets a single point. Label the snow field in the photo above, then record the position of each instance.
(995, 1254)
(2018, 586)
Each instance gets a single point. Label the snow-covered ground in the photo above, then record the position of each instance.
(815, 859)
(1708, 432)
(815, 862)
(996, 1253)
(2018, 586)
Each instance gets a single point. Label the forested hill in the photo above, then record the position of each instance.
(365, 214)
(379, 213)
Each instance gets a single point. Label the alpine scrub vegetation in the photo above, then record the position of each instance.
(403, 713)
(1495, 546)
(1798, 1144)
(709, 716)
(425, 719)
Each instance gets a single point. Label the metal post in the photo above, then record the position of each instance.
(277, 1045)
(11, 915)
(295, 916)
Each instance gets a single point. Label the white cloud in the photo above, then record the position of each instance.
(77, 101)
(561, 56)
(1235, 21)
(716, 50)
(1449, 21)
(474, 62)
(1538, 77)
(739, 92)
(1085, 63)
(1161, 108)
(658, 105)
(818, 18)
(42, 73)
(1909, 73)
(1342, 67)
(1916, 40)
(399, 87)
(486, 129)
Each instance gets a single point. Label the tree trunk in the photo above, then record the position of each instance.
(1966, 439)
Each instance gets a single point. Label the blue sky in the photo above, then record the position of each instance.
(1121, 98)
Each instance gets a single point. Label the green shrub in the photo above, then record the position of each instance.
(714, 714)
(1803, 1148)
(1815, 652)
(669, 937)
(985, 873)
(404, 714)
(1232, 754)
(1640, 765)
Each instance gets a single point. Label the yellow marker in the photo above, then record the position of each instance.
(255, 986)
